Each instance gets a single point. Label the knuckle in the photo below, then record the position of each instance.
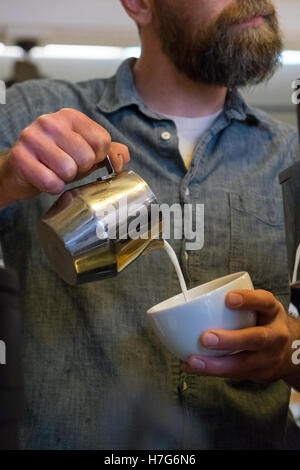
(27, 136)
(47, 123)
(66, 112)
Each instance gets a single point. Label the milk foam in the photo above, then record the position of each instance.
(172, 255)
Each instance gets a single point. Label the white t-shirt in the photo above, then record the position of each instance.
(189, 130)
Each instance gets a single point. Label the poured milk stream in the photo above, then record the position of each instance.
(173, 258)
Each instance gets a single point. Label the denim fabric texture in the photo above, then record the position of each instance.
(96, 376)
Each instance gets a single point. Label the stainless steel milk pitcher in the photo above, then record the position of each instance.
(77, 240)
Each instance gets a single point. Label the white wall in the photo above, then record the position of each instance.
(68, 21)
(99, 21)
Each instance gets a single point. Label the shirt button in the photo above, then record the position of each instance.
(165, 135)
(187, 192)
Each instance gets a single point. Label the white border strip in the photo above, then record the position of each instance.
(61, 51)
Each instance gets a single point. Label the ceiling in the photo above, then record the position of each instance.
(99, 22)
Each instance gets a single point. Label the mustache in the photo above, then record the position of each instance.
(245, 10)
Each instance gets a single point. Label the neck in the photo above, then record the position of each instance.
(165, 90)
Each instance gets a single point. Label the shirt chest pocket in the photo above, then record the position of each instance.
(257, 242)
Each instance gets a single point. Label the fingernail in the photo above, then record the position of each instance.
(196, 363)
(210, 339)
(235, 299)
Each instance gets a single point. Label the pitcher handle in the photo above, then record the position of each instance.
(110, 169)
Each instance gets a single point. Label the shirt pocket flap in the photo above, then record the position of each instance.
(266, 209)
(257, 242)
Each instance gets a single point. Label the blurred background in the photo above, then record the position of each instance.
(86, 39)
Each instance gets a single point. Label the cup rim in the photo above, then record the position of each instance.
(189, 302)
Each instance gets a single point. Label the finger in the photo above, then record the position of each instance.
(67, 126)
(259, 300)
(119, 155)
(237, 366)
(95, 135)
(248, 339)
(31, 172)
(48, 153)
(78, 149)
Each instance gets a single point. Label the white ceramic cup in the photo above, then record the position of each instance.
(179, 324)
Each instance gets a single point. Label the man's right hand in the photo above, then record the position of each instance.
(56, 149)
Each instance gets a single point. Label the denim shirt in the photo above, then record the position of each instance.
(96, 376)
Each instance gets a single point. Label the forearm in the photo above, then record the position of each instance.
(292, 376)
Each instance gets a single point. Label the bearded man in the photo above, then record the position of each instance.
(177, 112)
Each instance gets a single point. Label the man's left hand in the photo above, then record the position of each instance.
(266, 349)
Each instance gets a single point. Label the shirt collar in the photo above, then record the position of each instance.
(120, 92)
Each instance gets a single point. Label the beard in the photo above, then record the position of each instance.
(224, 53)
